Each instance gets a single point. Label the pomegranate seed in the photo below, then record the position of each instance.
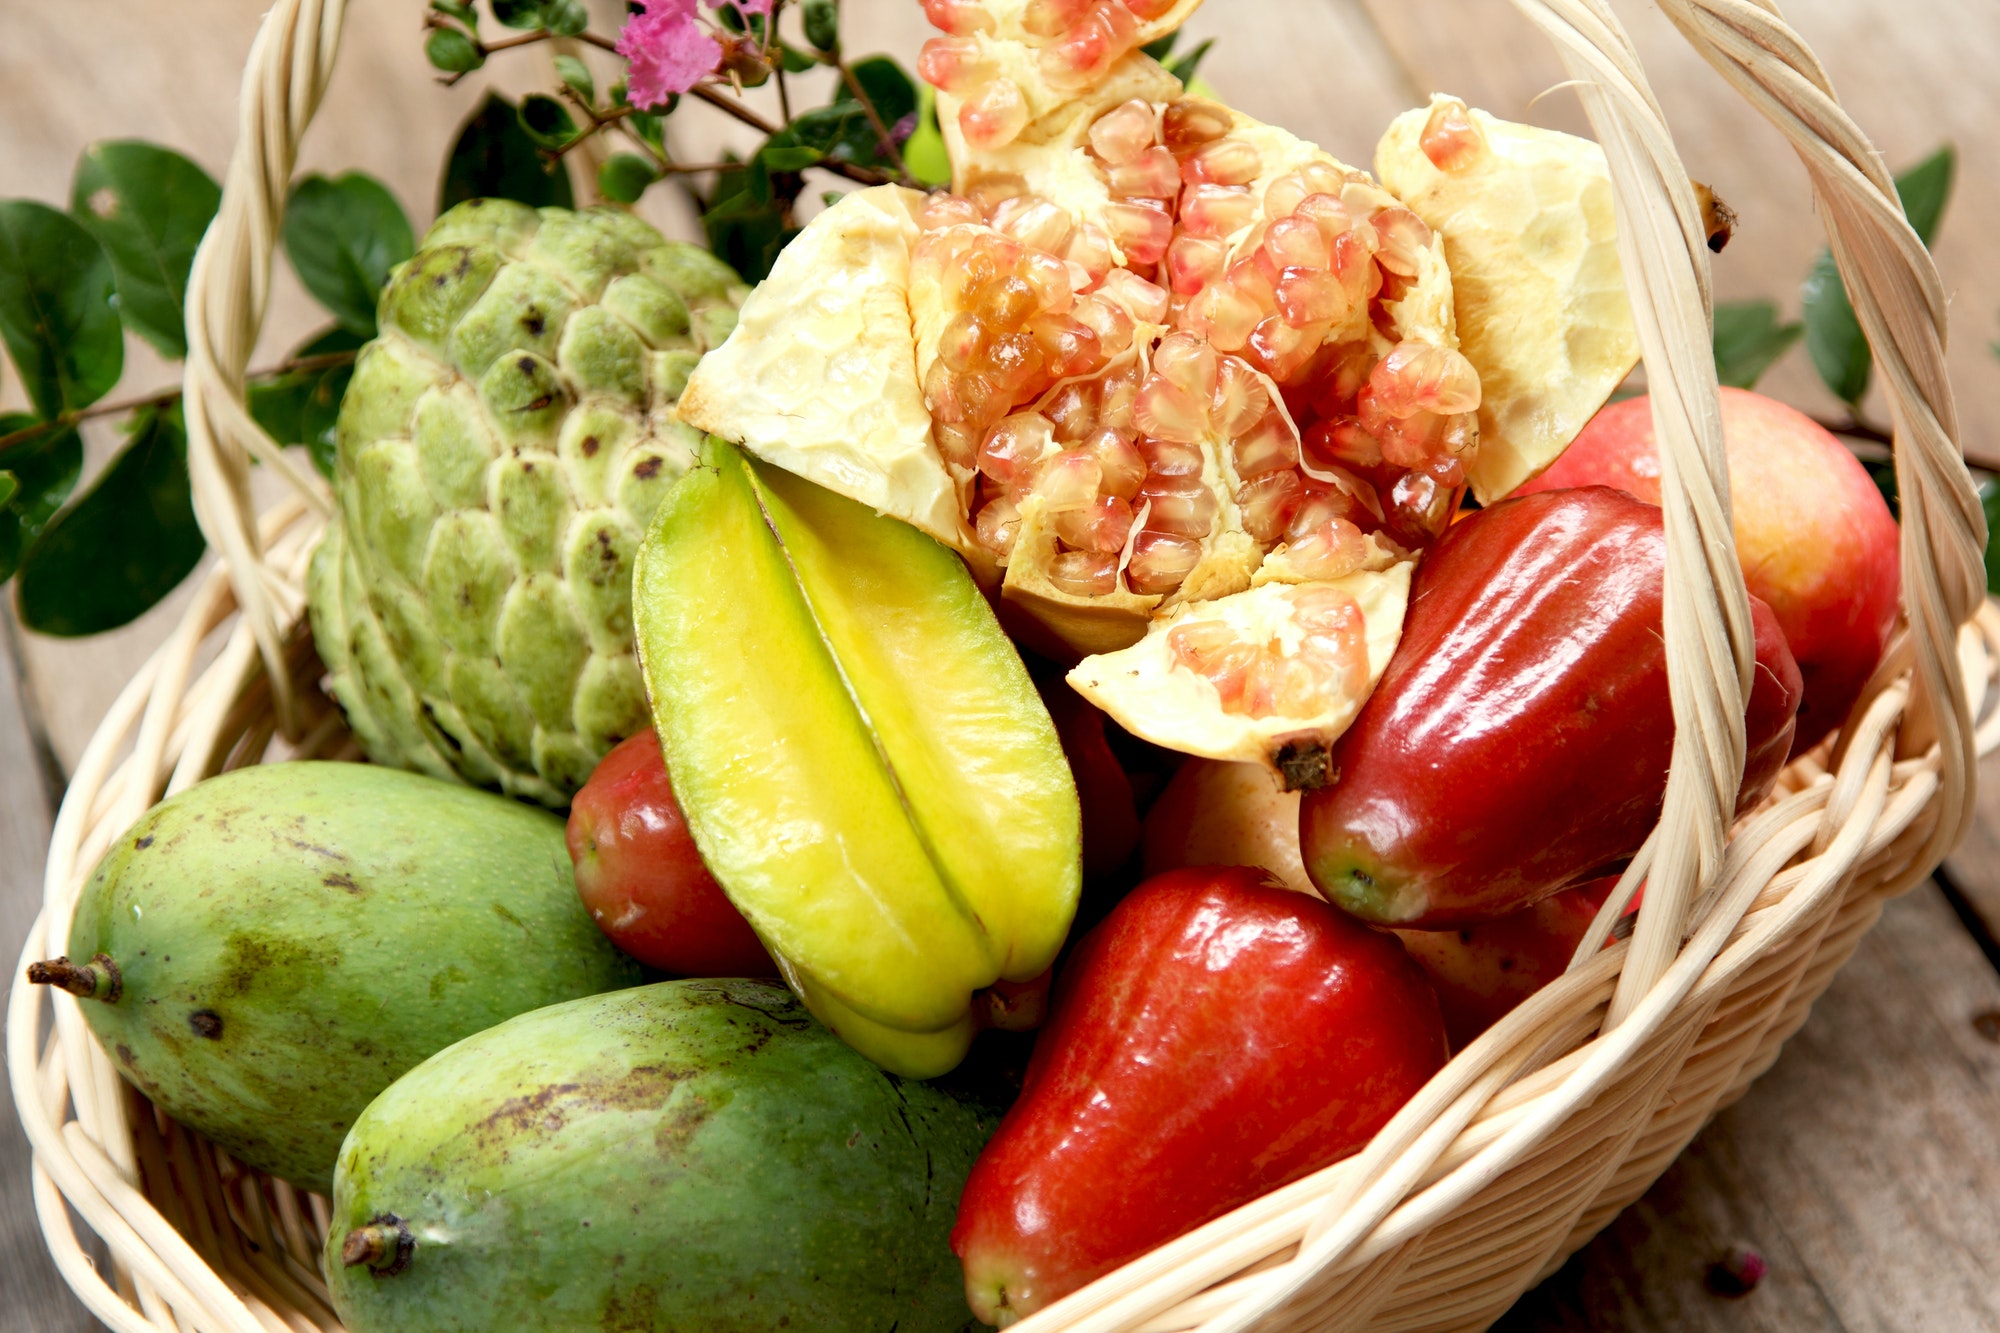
(1180, 505)
(1190, 122)
(1083, 54)
(959, 346)
(1119, 462)
(1240, 399)
(1073, 410)
(947, 210)
(1268, 503)
(1090, 249)
(1343, 440)
(1295, 242)
(1412, 441)
(1052, 18)
(1069, 481)
(1335, 377)
(1446, 470)
(1153, 175)
(1361, 197)
(1417, 376)
(1225, 315)
(1450, 140)
(1189, 362)
(1326, 212)
(1102, 525)
(1035, 221)
(1150, 9)
(1283, 196)
(1248, 277)
(989, 192)
(1266, 447)
(1331, 549)
(1193, 262)
(949, 63)
(1166, 411)
(1322, 504)
(1211, 650)
(1280, 350)
(1014, 361)
(1225, 161)
(1160, 562)
(1119, 388)
(1139, 298)
(1421, 505)
(1007, 299)
(1171, 458)
(997, 524)
(1068, 348)
(960, 18)
(1048, 277)
(1084, 573)
(1111, 324)
(1217, 211)
(1311, 296)
(1405, 239)
(1142, 232)
(1014, 443)
(1123, 134)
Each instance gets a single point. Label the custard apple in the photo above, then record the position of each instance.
(500, 451)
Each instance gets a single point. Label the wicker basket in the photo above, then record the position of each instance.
(1526, 1144)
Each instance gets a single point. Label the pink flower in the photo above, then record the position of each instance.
(669, 50)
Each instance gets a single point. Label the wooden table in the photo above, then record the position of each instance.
(1864, 1167)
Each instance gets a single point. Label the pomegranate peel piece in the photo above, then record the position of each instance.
(862, 759)
(1272, 675)
(1525, 216)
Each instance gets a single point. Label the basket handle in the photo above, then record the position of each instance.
(228, 289)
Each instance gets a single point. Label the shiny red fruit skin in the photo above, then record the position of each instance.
(1482, 972)
(1215, 1037)
(1519, 739)
(1813, 534)
(641, 878)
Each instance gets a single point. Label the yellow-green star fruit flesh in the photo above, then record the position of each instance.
(500, 451)
(859, 751)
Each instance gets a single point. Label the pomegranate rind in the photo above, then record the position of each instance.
(1148, 691)
(1542, 314)
(820, 377)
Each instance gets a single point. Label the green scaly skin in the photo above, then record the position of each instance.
(695, 1156)
(290, 938)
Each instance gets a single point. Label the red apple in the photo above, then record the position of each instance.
(641, 878)
(1814, 536)
(1484, 970)
(1216, 1037)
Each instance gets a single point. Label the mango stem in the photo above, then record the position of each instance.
(97, 979)
(384, 1244)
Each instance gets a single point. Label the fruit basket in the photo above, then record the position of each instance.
(1527, 1143)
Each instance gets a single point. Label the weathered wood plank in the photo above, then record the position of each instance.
(33, 1295)
(1865, 1167)
(1914, 75)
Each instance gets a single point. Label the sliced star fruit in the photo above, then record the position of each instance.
(861, 755)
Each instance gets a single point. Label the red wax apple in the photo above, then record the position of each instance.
(1215, 1037)
(1110, 814)
(1219, 813)
(1813, 535)
(640, 876)
(1483, 971)
(1519, 739)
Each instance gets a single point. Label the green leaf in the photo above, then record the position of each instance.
(794, 61)
(745, 224)
(546, 121)
(301, 406)
(452, 51)
(44, 472)
(519, 13)
(576, 76)
(780, 157)
(343, 236)
(148, 207)
(112, 555)
(459, 10)
(1988, 486)
(887, 84)
(924, 151)
(822, 24)
(1183, 67)
(1833, 334)
(1748, 339)
(9, 484)
(56, 311)
(493, 158)
(565, 18)
(651, 129)
(1926, 188)
(1160, 47)
(625, 176)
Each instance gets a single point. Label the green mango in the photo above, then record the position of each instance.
(272, 947)
(860, 753)
(695, 1156)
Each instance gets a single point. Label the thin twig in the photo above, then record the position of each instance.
(874, 118)
(860, 174)
(771, 45)
(67, 420)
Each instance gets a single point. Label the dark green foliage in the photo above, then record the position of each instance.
(148, 207)
(343, 236)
